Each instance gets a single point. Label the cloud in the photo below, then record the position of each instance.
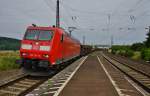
(16, 15)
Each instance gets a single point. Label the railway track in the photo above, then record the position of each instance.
(141, 66)
(138, 76)
(24, 83)
(20, 85)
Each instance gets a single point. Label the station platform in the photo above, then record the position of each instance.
(89, 76)
(89, 80)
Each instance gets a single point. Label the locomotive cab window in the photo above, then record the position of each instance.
(45, 35)
(38, 35)
(31, 35)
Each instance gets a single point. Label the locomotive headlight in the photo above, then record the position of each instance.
(45, 48)
(26, 46)
(46, 55)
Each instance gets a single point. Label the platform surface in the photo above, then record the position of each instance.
(90, 80)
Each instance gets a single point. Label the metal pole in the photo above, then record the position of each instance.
(149, 29)
(70, 32)
(108, 22)
(112, 40)
(83, 40)
(57, 15)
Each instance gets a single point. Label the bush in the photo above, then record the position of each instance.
(129, 53)
(122, 50)
(136, 51)
(119, 49)
(146, 54)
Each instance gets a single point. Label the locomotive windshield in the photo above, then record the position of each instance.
(38, 35)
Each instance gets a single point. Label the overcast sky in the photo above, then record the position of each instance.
(97, 20)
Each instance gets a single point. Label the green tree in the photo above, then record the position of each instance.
(147, 42)
(9, 43)
(137, 46)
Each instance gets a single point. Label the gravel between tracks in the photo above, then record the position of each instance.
(9, 73)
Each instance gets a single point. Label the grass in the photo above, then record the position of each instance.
(7, 60)
(136, 56)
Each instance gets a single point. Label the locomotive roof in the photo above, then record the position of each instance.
(52, 28)
(41, 28)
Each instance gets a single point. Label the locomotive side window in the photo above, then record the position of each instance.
(62, 38)
(38, 35)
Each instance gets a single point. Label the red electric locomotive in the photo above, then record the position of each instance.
(46, 47)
